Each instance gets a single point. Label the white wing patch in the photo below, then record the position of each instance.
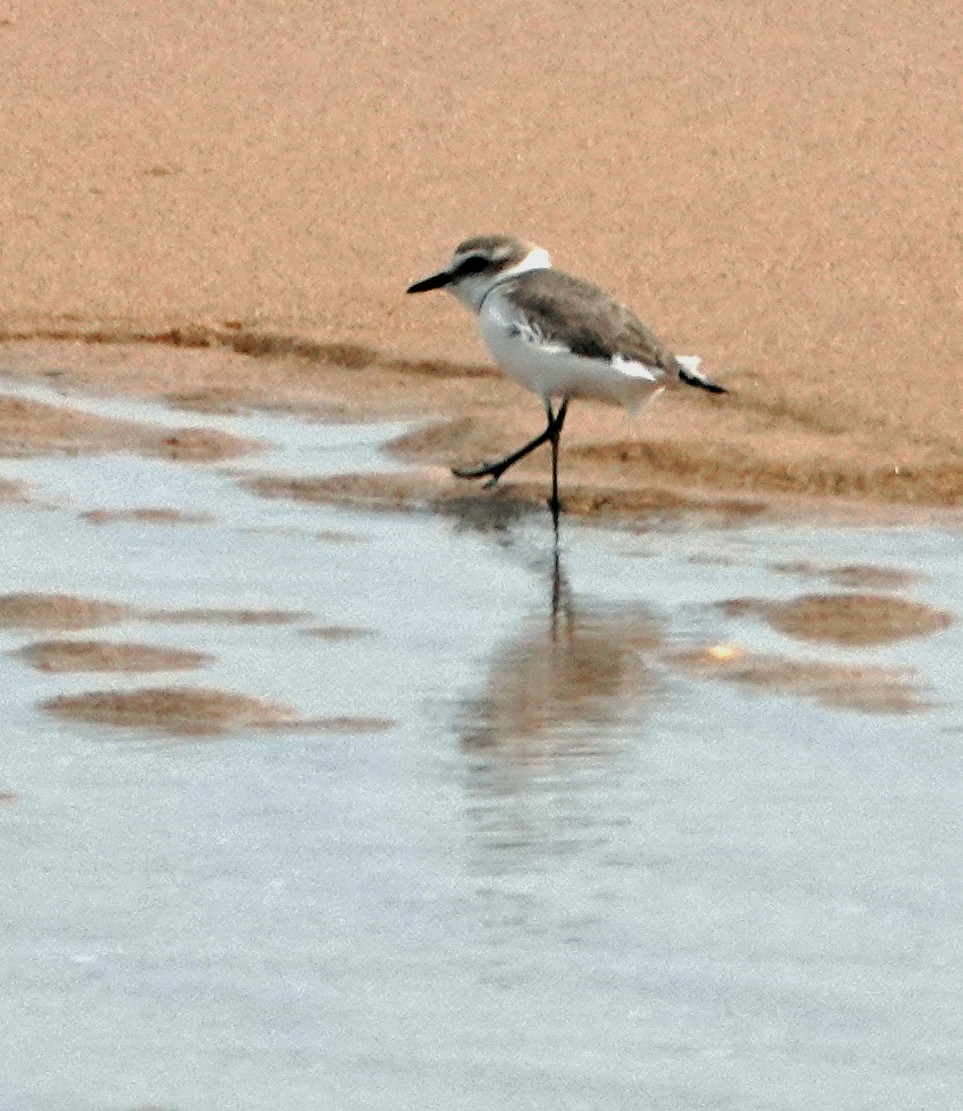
(636, 370)
(543, 363)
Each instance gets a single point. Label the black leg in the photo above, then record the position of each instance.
(556, 432)
(495, 470)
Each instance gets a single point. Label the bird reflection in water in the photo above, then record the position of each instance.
(562, 699)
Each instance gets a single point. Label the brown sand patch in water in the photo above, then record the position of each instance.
(12, 492)
(69, 611)
(846, 619)
(345, 724)
(852, 575)
(200, 712)
(151, 516)
(203, 615)
(337, 632)
(59, 611)
(189, 710)
(438, 491)
(93, 655)
(787, 467)
(9, 798)
(30, 428)
(870, 690)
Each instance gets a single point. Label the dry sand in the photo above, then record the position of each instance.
(774, 187)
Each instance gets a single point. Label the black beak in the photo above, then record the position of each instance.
(436, 281)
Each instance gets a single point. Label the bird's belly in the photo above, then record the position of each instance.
(554, 372)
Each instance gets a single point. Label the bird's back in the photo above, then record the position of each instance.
(576, 314)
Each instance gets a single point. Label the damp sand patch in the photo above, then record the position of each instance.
(845, 619)
(31, 428)
(95, 655)
(868, 690)
(851, 575)
(206, 615)
(70, 611)
(753, 452)
(199, 712)
(13, 492)
(337, 632)
(154, 515)
(436, 491)
(59, 611)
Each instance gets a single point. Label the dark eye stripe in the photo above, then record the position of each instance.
(474, 264)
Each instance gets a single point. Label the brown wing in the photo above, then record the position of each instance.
(582, 317)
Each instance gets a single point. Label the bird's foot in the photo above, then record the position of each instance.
(486, 470)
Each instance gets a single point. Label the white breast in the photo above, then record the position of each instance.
(552, 371)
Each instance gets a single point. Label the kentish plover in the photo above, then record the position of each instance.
(559, 336)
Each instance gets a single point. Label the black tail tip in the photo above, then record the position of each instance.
(701, 383)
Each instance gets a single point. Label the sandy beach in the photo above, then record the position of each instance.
(242, 195)
(331, 781)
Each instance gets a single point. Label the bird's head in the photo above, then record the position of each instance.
(478, 264)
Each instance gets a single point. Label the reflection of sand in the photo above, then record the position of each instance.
(774, 187)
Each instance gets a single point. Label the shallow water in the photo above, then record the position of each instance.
(573, 875)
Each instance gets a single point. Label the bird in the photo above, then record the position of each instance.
(557, 335)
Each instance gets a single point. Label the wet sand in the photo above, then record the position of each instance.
(869, 690)
(189, 711)
(94, 655)
(743, 461)
(58, 611)
(155, 515)
(34, 428)
(12, 492)
(846, 619)
(567, 785)
(775, 190)
(68, 611)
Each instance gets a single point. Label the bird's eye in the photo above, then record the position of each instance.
(474, 264)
